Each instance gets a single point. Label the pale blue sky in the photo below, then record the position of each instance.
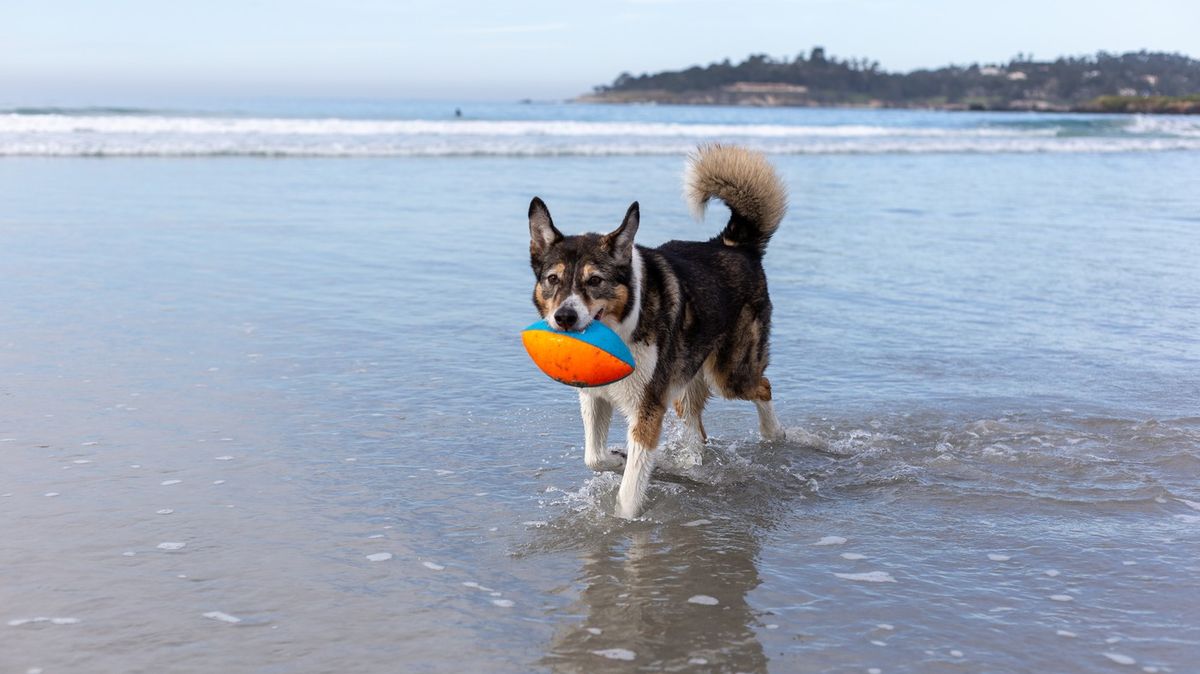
(474, 50)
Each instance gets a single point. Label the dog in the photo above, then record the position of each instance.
(695, 314)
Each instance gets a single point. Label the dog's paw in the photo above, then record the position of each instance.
(613, 460)
(773, 434)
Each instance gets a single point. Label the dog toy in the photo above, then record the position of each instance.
(596, 356)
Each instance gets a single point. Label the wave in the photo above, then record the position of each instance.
(54, 133)
(279, 126)
(499, 149)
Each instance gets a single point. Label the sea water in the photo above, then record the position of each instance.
(263, 404)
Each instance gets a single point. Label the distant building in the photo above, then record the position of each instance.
(1017, 75)
(991, 71)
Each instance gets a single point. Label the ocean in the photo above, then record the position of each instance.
(264, 404)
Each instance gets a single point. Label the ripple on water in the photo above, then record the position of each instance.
(868, 577)
(220, 616)
(17, 622)
(615, 654)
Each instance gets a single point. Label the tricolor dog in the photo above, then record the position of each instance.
(695, 314)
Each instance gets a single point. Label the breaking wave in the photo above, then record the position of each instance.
(107, 132)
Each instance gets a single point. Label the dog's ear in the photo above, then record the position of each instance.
(542, 233)
(620, 240)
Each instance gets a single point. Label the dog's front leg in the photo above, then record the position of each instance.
(597, 415)
(643, 438)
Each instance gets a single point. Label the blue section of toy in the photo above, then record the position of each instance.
(598, 335)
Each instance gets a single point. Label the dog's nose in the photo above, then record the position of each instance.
(566, 317)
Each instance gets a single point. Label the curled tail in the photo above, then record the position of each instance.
(748, 185)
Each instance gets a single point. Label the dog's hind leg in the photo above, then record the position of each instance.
(691, 404)
(768, 424)
(737, 372)
(644, 432)
(597, 415)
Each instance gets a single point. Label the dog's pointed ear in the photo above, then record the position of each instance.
(542, 233)
(620, 240)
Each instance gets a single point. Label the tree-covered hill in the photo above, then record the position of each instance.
(1023, 83)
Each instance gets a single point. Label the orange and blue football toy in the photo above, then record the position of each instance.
(596, 356)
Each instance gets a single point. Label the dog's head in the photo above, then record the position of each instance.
(582, 278)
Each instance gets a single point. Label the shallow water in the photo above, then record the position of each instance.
(307, 373)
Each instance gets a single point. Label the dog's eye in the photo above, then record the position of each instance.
(595, 281)
(552, 280)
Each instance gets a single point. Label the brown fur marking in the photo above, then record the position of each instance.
(648, 426)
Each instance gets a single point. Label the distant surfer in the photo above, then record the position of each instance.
(458, 112)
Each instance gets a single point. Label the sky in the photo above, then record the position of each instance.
(97, 52)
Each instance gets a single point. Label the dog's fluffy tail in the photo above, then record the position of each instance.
(748, 185)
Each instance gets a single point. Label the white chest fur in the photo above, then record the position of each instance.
(626, 395)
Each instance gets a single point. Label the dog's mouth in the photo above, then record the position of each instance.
(599, 314)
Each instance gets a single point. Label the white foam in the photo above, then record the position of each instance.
(1051, 572)
(853, 556)
(868, 577)
(81, 461)
(40, 619)
(697, 661)
(432, 565)
(1119, 658)
(160, 135)
(1065, 633)
(696, 523)
(1061, 597)
(223, 458)
(172, 545)
(957, 654)
(703, 599)
(831, 540)
(51, 494)
(222, 617)
(168, 483)
(1191, 504)
(596, 631)
(615, 654)
(874, 670)
(996, 557)
(164, 511)
(379, 556)
(886, 626)
(877, 642)
(503, 603)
